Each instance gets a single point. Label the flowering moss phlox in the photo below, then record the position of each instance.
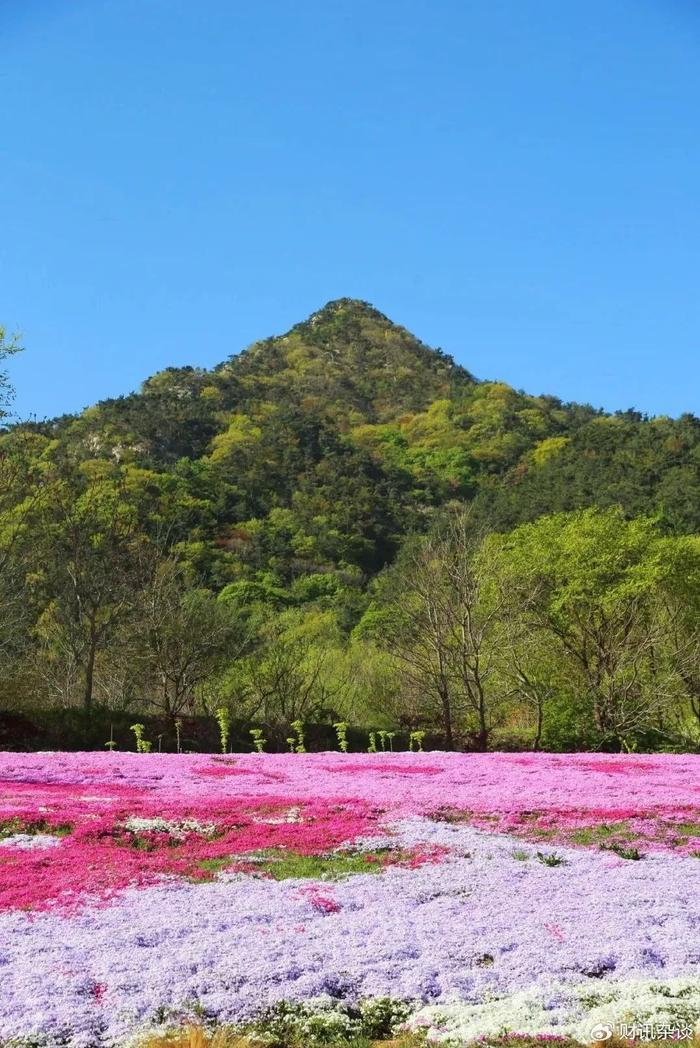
(460, 920)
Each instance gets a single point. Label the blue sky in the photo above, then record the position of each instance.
(516, 181)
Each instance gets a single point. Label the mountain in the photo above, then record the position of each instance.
(321, 448)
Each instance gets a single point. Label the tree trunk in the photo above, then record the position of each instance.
(482, 739)
(538, 734)
(483, 736)
(89, 676)
(446, 717)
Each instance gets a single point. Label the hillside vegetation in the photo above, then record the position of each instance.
(341, 524)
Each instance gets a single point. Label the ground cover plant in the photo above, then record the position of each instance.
(338, 898)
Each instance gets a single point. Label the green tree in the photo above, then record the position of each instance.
(283, 681)
(596, 586)
(182, 638)
(440, 618)
(91, 554)
(21, 493)
(17, 495)
(9, 345)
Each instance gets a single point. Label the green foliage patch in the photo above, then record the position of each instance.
(282, 865)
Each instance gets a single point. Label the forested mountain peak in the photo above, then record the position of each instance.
(348, 307)
(352, 361)
(320, 448)
(349, 325)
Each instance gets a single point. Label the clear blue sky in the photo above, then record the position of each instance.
(516, 181)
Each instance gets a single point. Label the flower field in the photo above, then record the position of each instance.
(537, 893)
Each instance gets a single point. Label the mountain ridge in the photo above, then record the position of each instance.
(315, 329)
(359, 432)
